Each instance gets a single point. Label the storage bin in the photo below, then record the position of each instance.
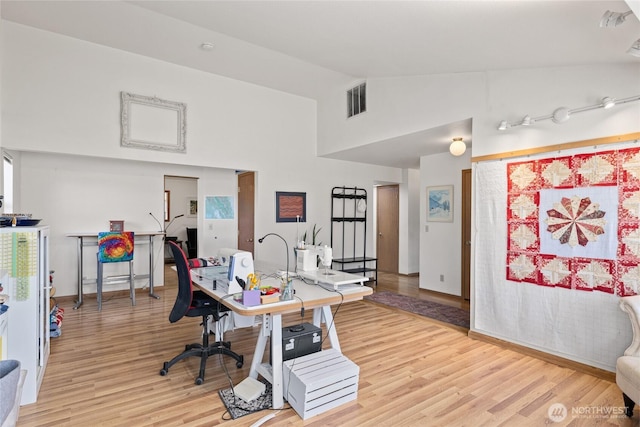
(319, 382)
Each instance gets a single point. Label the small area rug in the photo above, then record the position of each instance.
(238, 408)
(444, 313)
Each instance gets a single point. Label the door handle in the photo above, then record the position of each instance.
(468, 243)
(380, 234)
(250, 240)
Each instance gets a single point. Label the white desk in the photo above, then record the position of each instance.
(310, 296)
(91, 239)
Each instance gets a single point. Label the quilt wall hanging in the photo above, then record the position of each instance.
(574, 221)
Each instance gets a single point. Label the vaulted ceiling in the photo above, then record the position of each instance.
(301, 46)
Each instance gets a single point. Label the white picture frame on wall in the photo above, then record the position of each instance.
(440, 203)
(152, 123)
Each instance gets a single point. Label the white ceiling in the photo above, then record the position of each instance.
(301, 46)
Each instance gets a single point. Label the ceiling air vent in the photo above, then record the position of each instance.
(357, 100)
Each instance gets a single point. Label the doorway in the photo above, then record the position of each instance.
(181, 196)
(388, 226)
(246, 210)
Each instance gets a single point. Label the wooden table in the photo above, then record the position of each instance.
(309, 296)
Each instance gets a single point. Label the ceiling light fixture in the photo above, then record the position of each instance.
(457, 147)
(562, 114)
(207, 46)
(613, 19)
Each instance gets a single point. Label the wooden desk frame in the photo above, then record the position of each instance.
(310, 296)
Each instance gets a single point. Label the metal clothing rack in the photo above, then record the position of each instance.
(349, 232)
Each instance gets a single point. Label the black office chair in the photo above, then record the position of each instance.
(192, 242)
(192, 303)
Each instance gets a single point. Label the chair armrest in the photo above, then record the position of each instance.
(631, 305)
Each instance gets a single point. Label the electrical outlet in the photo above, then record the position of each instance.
(442, 277)
(210, 226)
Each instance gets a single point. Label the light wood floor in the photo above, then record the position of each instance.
(104, 371)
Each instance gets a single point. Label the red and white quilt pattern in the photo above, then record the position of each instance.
(574, 222)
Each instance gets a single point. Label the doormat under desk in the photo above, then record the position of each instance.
(443, 313)
(239, 408)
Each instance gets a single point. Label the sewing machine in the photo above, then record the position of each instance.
(307, 266)
(307, 258)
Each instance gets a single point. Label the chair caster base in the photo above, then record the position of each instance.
(165, 369)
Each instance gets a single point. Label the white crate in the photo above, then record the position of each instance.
(319, 381)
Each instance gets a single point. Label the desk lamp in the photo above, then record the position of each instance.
(287, 293)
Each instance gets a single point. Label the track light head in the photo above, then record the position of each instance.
(613, 19)
(503, 125)
(635, 49)
(608, 102)
(527, 121)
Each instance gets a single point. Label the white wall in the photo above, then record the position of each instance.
(399, 106)
(440, 241)
(60, 107)
(513, 94)
(409, 213)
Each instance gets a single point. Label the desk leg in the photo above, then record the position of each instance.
(271, 327)
(258, 353)
(80, 246)
(276, 360)
(323, 314)
(151, 294)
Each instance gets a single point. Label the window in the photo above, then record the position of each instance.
(357, 100)
(8, 182)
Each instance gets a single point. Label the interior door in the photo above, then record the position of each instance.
(246, 209)
(466, 234)
(388, 224)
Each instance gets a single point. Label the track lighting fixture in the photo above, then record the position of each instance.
(457, 147)
(562, 114)
(613, 19)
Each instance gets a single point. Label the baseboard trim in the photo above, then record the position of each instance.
(551, 358)
(441, 294)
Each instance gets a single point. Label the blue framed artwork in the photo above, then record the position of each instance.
(440, 203)
(218, 207)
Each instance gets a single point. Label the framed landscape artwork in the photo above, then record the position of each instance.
(440, 203)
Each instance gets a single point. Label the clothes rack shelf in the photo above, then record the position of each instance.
(349, 232)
